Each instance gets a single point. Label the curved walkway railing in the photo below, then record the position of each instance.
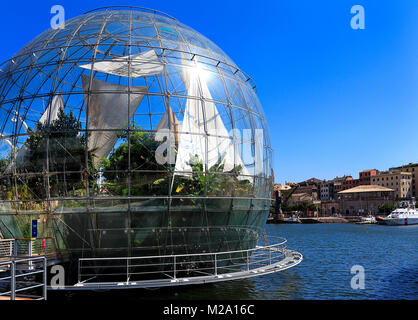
(183, 269)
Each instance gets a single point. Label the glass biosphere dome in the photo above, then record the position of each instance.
(128, 133)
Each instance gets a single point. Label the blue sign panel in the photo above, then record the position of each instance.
(34, 228)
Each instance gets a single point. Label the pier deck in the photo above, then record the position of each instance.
(313, 220)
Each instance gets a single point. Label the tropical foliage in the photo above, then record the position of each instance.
(216, 182)
(147, 177)
(66, 163)
(3, 164)
(144, 170)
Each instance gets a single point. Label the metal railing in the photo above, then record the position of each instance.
(182, 266)
(22, 278)
(27, 247)
(7, 247)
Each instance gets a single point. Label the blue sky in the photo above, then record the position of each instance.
(337, 100)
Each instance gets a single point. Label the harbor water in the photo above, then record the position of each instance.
(388, 255)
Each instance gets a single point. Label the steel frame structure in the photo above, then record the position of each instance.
(222, 66)
(49, 67)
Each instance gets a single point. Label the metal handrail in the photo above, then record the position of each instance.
(33, 246)
(12, 264)
(219, 265)
(6, 246)
(189, 255)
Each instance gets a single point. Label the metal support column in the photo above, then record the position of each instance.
(13, 281)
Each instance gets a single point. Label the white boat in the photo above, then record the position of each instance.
(405, 214)
(293, 220)
(367, 220)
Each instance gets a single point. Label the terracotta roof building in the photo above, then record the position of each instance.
(365, 199)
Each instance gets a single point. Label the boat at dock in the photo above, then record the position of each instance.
(405, 214)
(367, 220)
(289, 220)
(380, 220)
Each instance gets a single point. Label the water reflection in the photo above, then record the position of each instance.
(400, 283)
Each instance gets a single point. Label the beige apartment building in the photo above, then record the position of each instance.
(397, 180)
(412, 168)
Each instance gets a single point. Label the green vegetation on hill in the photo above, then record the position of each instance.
(300, 206)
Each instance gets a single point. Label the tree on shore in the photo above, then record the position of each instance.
(387, 208)
(299, 206)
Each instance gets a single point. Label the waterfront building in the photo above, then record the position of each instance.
(412, 168)
(281, 188)
(310, 187)
(329, 208)
(338, 183)
(364, 199)
(366, 175)
(399, 181)
(349, 183)
(278, 190)
(300, 197)
(326, 190)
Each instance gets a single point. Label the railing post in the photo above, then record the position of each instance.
(30, 253)
(13, 281)
(248, 262)
(45, 277)
(15, 249)
(79, 267)
(30, 248)
(175, 276)
(216, 265)
(127, 270)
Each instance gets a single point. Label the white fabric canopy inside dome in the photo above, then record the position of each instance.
(169, 121)
(202, 123)
(107, 111)
(141, 64)
(52, 111)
